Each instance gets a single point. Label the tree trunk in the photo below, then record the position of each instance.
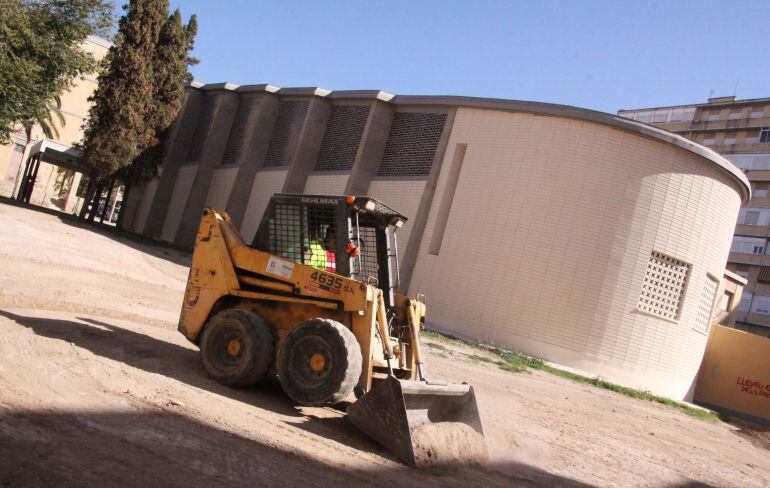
(107, 201)
(87, 198)
(122, 212)
(95, 202)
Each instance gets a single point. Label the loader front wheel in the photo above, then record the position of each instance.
(319, 362)
(237, 348)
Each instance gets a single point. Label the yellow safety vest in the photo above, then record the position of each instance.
(318, 256)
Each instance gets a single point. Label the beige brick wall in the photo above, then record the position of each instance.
(549, 236)
(404, 196)
(220, 187)
(145, 194)
(178, 201)
(326, 184)
(266, 183)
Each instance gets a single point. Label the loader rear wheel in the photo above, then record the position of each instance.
(237, 347)
(319, 362)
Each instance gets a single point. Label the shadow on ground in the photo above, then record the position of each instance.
(164, 448)
(158, 249)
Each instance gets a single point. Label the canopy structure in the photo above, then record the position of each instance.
(50, 152)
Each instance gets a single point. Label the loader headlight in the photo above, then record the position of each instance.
(370, 205)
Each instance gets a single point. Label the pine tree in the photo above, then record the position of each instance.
(171, 71)
(123, 96)
(144, 88)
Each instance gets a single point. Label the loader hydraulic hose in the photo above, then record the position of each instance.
(414, 328)
(382, 324)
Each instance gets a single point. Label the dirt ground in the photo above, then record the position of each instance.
(97, 388)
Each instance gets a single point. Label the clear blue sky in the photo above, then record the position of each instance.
(603, 55)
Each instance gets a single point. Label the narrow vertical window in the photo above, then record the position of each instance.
(446, 200)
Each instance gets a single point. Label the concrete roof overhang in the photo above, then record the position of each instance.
(59, 154)
(538, 108)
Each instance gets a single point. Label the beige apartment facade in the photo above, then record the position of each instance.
(740, 131)
(57, 178)
(583, 238)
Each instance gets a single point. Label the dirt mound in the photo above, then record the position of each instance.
(447, 444)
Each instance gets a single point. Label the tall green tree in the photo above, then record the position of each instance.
(139, 94)
(123, 96)
(41, 56)
(171, 71)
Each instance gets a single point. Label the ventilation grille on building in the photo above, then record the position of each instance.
(663, 286)
(764, 275)
(237, 138)
(205, 118)
(412, 144)
(286, 133)
(342, 137)
(703, 320)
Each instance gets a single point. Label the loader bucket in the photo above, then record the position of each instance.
(399, 413)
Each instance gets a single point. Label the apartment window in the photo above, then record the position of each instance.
(760, 193)
(660, 116)
(734, 115)
(751, 140)
(682, 114)
(764, 134)
(757, 113)
(730, 139)
(709, 141)
(743, 274)
(751, 218)
(645, 117)
(712, 116)
(748, 245)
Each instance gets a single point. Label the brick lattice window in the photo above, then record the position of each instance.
(342, 137)
(236, 141)
(663, 287)
(285, 137)
(412, 144)
(202, 129)
(703, 320)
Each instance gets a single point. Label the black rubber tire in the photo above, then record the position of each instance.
(341, 368)
(255, 350)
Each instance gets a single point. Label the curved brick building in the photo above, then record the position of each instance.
(590, 240)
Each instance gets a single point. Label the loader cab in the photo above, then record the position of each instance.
(351, 236)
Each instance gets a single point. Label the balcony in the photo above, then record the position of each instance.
(748, 258)
(722, 124)
(752, 230)
(739, 148)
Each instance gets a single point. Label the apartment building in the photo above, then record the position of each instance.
(580, 237)
(57, 178)
(740, 131)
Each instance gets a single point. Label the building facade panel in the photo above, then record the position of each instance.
(220, 187)
(589, 240)
(550, 232)
(266, 183)
(404, 196)
(740, 131)
(176, 206)
(326, 183)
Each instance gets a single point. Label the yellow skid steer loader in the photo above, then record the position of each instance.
(313, 300)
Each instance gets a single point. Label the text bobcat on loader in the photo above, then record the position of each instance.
(313, 299)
